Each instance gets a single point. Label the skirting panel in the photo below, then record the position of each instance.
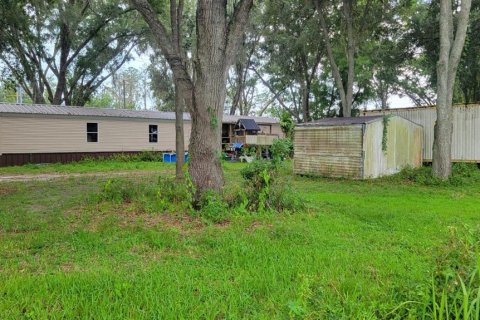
(18, 159)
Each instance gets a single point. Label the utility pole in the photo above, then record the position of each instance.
(124, 99)
(19, 94)
(145, 91)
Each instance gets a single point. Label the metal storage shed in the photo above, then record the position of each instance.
(363, 147)
(466, 129)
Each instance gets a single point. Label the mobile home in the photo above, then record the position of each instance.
(44, 133)
(466, 129)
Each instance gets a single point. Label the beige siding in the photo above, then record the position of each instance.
(265, 128)
(260, 140)
(466, 129)
(404, 147)
(19, 134)
(273, 128)
(276, 129)
(329, 151)
(374, 158)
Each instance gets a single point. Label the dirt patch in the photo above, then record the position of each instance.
(52, 176)
(223, 224)
(127, 215)
(257, 225)
(5, 191)
(181, 222)
(66, 267)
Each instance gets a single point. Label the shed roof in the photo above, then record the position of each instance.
(341, 121)
(249, 124)
(427, 107)
(41, 109)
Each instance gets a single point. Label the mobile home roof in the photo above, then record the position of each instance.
(46, 110)
(326, 122)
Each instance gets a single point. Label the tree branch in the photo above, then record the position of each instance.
(164, 40)
(335, 71)
(93, 34)
(236, 28)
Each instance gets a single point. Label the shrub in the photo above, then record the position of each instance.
(174, 191)
(263, 191)
(165, 195)
(119, 190)
(281, 149)
(149, 156)
(283, 198)
(249, 150)
(462, 174)
(253, 171)
(146, 156)
(287, 124)
(213, 207)
(122, 157)
(236, 198)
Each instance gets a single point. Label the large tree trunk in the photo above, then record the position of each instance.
(62, 74)
(305, 86)
(348, 12)
(217, 44)
(210, 91)
(450, 52)
(239, 83)
(179, 134)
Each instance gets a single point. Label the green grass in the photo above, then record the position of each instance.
(85, 167)
(360, 251)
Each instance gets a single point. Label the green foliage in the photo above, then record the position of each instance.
(283, 196)
(423, 37)
(213, 207)
(161, 84)
(126, 90)
(144, 156)
(454, 292)
(462, 174)
(365, 250)
(287, 125)
(386, 120)
(236, 198)
(252, 172)
(8, 92)
(167, 195)
(281, 149)
(152, 156)
(213, 117)
(458, 260)
(249, 150)
(101, 99)
(94, 38)
(265, 191)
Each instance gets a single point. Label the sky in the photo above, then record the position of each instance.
(140, 62)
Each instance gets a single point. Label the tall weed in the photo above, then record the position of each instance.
(462, 174)
(267, 190)
(165, 195)
(454, 292)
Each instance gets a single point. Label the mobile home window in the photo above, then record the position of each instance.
(92, 132)
(153, 133)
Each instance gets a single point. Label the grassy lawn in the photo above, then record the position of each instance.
(359, 251)
(85, 167)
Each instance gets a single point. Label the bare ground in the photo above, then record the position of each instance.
(52, 176)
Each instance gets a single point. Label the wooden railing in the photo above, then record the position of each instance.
(259, 140)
